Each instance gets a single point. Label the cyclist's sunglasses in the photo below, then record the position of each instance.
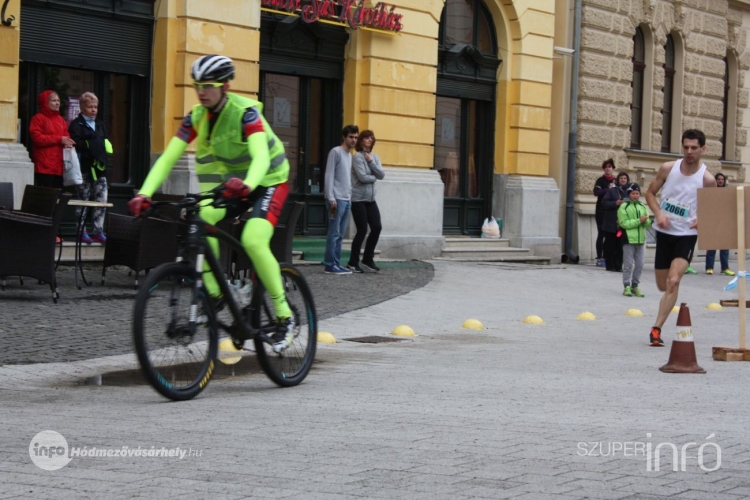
(203, 86)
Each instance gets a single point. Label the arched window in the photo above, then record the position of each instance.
(636, 106)
(725, 104)
(669, 97)
(465, 22)
(729, 102)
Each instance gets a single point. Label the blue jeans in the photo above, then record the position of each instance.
(336, 229)
(723, 257)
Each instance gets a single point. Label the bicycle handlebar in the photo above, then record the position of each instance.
(193, 200)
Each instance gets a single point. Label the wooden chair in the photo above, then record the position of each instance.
(6, 196)
(40, 202)
(139, 243)
(27, 239)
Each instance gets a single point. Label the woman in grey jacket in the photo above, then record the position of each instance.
(366, 169)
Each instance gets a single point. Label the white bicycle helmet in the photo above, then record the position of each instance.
(212, 67)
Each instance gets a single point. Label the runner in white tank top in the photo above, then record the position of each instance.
(676, 220)
(679, 200)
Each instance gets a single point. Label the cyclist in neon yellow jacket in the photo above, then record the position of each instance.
(237, 148)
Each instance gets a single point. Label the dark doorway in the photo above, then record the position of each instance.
(301, 110)
(302, 70)
(465, 114)
(464, 162)
(112, 58)
(121, 107)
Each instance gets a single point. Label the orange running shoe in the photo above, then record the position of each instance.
(655, 337)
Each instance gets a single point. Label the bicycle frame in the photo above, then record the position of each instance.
(197, 232)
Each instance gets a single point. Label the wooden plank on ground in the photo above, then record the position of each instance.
(733, 303)
(731, 354)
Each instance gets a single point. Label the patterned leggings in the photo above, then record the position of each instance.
(100, 194)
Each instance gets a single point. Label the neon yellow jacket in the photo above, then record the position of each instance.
(259, 161)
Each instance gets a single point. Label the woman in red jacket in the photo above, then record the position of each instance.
(49, 135)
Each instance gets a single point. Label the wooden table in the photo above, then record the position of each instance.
(79, 232)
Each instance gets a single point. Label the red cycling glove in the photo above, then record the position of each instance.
(138, 204)
(235, 188)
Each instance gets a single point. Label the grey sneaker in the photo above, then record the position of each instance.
(354, 269)
(370, 267)
(284, 334)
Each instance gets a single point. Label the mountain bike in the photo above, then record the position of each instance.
(176, 325)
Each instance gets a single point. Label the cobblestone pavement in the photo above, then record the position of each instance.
(95, 321)
(567, 410)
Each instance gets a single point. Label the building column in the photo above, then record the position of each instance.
(186, 30)
(529, 208)
(523, 187)
(390, 89)
(15, 165)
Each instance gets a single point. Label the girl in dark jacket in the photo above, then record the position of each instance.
(93, 146)
(49, 135)
(612, 242)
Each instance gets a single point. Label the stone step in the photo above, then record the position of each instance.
(89, 253)
(482, 253)
(518, 259)
(483, 243)
(469, 249)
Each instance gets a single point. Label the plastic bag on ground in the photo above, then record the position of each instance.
(490, 228)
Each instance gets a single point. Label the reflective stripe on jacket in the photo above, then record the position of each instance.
(223, 154)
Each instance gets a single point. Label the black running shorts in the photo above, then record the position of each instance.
(670, 247)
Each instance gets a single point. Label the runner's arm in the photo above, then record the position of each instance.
(655, 187)
(708, 179)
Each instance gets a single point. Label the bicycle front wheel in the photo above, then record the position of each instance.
(175, 332)
(291, 366)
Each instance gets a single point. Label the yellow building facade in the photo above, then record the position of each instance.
(460, 100)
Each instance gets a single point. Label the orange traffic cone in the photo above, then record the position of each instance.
(682, 356)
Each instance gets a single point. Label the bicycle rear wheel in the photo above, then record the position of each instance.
(290, 367)
(175, 332)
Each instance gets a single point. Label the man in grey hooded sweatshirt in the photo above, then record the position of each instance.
(338, 193)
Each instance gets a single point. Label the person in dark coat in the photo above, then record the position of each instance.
(93, 146)
(49, 135)
(601, 187)
(615, 197)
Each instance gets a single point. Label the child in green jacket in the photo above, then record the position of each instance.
(632, 216)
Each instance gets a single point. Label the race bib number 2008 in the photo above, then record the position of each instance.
(675, 209)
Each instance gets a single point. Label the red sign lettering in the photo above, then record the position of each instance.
(352, 13)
